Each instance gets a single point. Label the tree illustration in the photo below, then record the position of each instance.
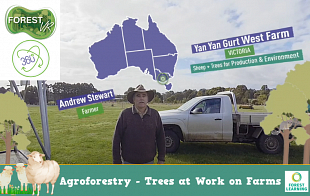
(303, 138)
(14, 112)
(288, 104)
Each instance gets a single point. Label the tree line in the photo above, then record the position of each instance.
(54, 92)
(62, 90)
(242, 93)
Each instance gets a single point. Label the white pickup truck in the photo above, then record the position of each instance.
(213, 119)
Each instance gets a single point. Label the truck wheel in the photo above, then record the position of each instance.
(172, 142)
(270, 144)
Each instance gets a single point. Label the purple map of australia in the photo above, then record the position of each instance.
(129, 45)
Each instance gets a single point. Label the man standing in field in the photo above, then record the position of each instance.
(139, 131)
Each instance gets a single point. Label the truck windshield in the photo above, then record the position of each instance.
(188, 104)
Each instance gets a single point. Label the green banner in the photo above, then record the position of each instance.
(89, 110)
(239, 52)
(266, 180)
(281, 57)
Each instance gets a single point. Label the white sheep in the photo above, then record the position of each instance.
(5, 178)
(21, 174)
(39, 171)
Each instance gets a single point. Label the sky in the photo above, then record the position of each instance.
(183, 22)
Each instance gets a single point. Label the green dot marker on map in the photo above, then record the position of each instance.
(163, 78)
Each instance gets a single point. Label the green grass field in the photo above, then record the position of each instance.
(89, 140)
(16, 190)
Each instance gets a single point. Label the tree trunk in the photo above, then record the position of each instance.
(8, 146)
(286, 149)
(307, 152)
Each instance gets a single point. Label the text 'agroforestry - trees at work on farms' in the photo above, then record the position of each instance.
(149, 181)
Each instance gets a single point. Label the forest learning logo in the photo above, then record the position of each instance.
(296, 181)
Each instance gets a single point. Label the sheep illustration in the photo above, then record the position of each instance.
(5, 178)
(39, 171)
(21, 174)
